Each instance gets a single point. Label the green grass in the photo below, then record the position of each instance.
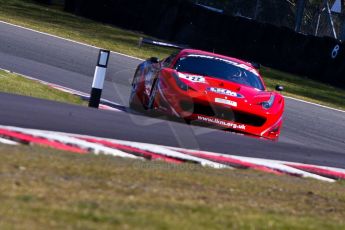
(46, 189)
(305, 89)
(53, 20)
(15, 84)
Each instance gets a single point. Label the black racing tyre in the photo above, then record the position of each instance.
(150, 103)
(134, 101)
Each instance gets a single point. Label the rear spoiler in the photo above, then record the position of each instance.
(149, 41)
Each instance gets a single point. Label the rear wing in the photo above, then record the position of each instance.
(149, 41)
(152, 42)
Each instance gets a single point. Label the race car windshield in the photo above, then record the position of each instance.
(219, 68)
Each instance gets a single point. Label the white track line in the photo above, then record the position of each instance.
(312, 103)
(66, 39)
(168, 152)
(341, 170)
(129, 56)
(74, 140)
(96, 148)
(59, 87)
(277, 165)
(283, 168)
(105, 107)
(7, 142)
(69, 90)
(296, 163)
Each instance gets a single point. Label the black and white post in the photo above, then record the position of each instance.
(98, 79)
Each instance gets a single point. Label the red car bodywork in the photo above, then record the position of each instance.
(206, 99)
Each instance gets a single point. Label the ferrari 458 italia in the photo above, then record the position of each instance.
(208, 88)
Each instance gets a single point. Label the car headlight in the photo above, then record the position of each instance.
(268, 104)
(180, 83)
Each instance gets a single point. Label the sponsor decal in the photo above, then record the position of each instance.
(242, 66)
(335, 51)
(227, 102)
(192, 78)
(225, 92)
(221, 122)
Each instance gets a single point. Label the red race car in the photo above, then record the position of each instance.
(208, 88)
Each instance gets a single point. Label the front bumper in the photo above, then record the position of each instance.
(196, 107)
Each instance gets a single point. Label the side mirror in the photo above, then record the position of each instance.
(154, 59)
(279, 88)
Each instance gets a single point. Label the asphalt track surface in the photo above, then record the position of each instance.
(311, 134)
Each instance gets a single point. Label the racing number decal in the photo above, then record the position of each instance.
(335, 51)
(192, 78)
(195, 78)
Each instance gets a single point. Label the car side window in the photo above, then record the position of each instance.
(167, 62)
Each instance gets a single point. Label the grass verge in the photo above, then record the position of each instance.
(13, 83)
(53, 20)
(43, 188)
(305, 89)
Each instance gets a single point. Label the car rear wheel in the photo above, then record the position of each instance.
(151, 101)
(134, 98)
